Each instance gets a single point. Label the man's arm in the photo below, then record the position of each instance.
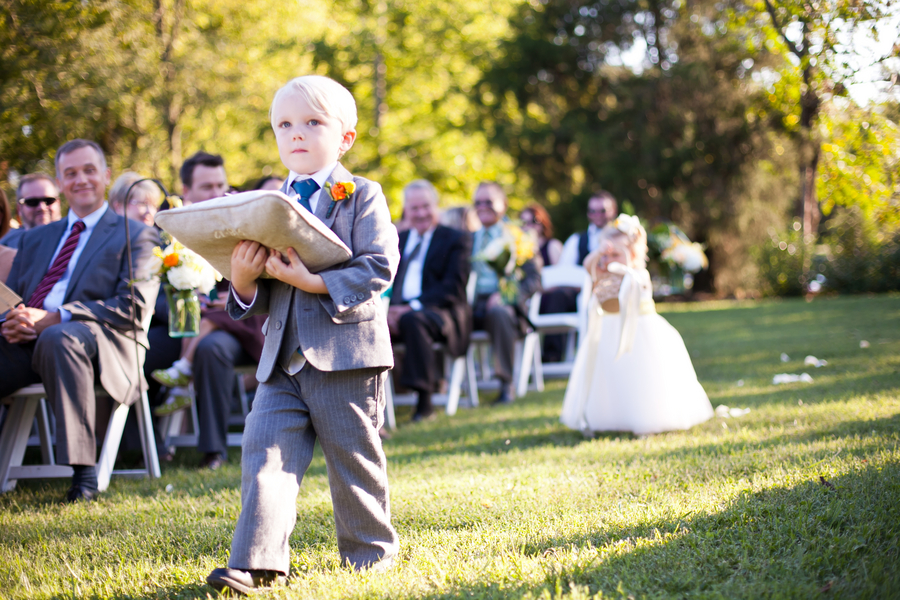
(115, 311)
(376, 253)
(451, 289)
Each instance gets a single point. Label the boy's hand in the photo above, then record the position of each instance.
(248, 261)
(294, 272)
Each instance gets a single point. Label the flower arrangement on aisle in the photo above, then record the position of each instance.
(677, 256)
(506, 255)
(183, 273)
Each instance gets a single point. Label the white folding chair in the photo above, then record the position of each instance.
(456, 368)
(29, 402)
(572, 324)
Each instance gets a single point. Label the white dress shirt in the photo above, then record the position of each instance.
(569, 254)
(412, 281)
(320, 177)
(57, 293)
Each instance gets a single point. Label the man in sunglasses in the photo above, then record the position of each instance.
(602, 209)
(38, 204)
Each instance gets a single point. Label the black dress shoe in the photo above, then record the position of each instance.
(212, 461)
(422, 417)
(506, 396)
(241, 582)
(78, 493)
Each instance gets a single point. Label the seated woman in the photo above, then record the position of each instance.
(6, 254)
(632, 371)
(536, 220)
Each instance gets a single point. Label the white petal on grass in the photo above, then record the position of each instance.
(791, 378)
(812, 361)
(785, 357)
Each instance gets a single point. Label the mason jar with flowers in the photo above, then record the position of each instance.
(183, 274)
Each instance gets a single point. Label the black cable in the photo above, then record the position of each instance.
(166, 196)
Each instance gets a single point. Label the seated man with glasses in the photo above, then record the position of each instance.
(37, 204)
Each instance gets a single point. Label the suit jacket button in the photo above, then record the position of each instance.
(347, 299)
(277, 324)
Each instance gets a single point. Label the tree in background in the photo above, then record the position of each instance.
(683, 139)
(817, 37)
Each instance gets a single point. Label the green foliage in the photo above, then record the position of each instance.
(862, 257)
(506, 503)
(783, 263)
(860, 165)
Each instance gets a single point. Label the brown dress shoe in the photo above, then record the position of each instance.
(241, 582)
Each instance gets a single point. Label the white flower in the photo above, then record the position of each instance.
(690, 257)
(628, 224)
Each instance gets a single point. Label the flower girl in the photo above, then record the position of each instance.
(632, 371)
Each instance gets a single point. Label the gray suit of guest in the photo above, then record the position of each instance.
(99, 336)
(337, 396)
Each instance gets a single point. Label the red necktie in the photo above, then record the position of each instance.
(58, 268)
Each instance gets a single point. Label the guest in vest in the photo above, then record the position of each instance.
(76, 327)
(428, 299)
(602, 209)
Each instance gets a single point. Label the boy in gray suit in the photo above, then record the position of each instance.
(326, 352)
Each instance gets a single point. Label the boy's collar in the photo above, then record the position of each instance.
(320, 176)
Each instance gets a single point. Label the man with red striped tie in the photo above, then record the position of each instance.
(75, 327)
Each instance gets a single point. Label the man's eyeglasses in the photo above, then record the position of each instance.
(596, 211)
(484, 203)
(34, 202)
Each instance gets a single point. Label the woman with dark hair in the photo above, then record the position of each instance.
(5, 215)
(6, 254)
(536, 220)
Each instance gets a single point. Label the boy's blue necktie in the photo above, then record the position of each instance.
(305, 188)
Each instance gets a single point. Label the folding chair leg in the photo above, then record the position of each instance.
(389, 418)
(538, 367)
(457, 372)
(525, 363)
(148, 440)
(14, 438)
(44, 433)
(471, 380)
(111, 442)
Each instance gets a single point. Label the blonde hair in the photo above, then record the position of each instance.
(146, 190)
(635, 241)
(324, 95)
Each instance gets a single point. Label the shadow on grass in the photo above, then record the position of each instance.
(841, 536)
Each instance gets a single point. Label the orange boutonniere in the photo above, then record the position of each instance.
(340, 190)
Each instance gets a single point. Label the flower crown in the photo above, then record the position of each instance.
(630, 225)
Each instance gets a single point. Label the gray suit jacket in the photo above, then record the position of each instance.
(98, 292)
(346, 328)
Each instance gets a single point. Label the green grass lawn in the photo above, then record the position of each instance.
(506, 503)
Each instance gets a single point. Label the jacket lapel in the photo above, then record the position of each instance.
(325, 200)
(105, 228)
(404, 237)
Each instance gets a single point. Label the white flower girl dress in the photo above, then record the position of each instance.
(632, 371)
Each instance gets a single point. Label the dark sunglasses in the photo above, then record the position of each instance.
(34, 202)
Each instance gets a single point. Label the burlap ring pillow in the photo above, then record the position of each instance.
(213, 228)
